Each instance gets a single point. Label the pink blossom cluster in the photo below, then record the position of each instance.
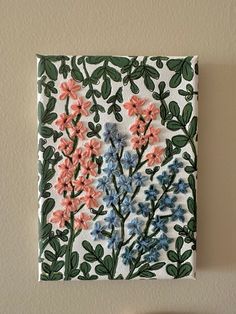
(143, 133)
(78, 169)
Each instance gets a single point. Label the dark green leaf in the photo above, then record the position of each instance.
(57, 276)
(173, 125)
(174, 108)
(46, 268)
(51, 70)
(48, 153)
(99, 252)
(89, 257)
(74, 259)
(175, 80)
(193, 127)
(185, 270)
(106, 88)
(101, 270)
(147, 274)
(95, 59)
(55, 245)
(48, 206)
(174, 64)
(50, 256)
(74, 273)
(191, 205)
(45, 131)
(179, 243)
(187, 71)
(41, 67)
(157, 266)
(77, 75)
(148, 82)
(185, 255)
(85, 267)
(96, 75)
(114, 74)
(152, 71)
(173, 257)
(192, 224)
(108, 262)
(56, 266)
(171, 270)
(46, 229)
(180, 140)
(119, 61)
(187, 112)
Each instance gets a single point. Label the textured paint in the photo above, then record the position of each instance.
(204, 28)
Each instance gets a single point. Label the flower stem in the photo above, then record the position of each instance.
(69, 249)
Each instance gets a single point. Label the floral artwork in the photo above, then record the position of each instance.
(117, 167)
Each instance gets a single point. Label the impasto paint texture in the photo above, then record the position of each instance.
(117, 167)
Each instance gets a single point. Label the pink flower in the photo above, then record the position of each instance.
(60, 217)
(81, 222)
(82, 183)
(79, 130)
(154, 157)
(151, 112)
(92, 148)
(134, 105)
(137, 127)
(138, 141)
(67, 169)
(89, 168)
(65, 146)
(64, 121)
(63, 184)
(80, 107)
(78, 156)
(69, 89)
(90, 197)
(152, 135)
(70, 204)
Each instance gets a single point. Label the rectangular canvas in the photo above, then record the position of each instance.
(117, 148)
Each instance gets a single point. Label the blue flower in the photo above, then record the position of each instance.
(144, 209)
(111, 168)
(151, 193)
(110, 132)
(142, 244)
(124, 183)
(160, 224)
(111, 198)
(134, 226)
(163, 242)
(180, 187)
(164, 178)
(139, 179)
(128, 205)
(103, 183)
(152, 256)
(178, 213)
(112, 220)
(167, 202)
(129, 160)
(97, 231)
(120, 140)
(128, 256)
(114, 241)
(110, 154)
(174, 167)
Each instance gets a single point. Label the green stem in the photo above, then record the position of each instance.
(69, 249)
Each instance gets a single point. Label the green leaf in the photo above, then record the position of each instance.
(192, 225)
(184, 270)
(108, 262)
(191, 205)
(134, 88)
(74, 272)
(50, 256)
(55, 245)
(193, 127)
(87, 246)
(95, 59)
(74, 259)
(46, 229)
(57, 276)
(51, 104)
(138, 72)
(56, 266)
(101, 270)
(51, 70)
(89, 257)
(191, 182)
(187, 112)
(48, 206)
(157, 266)
(106, 88)
(77, 75)
(147, 274)
(179, 243)
(174, 125)
(174, 64)
(41, 67)
(113, 73)
(99, 251)
(152, 71)
(175, 80)
(189, 169)
(85, 268)
(174, 108)
(49, 118)
(45, 131)
(118, 117)
(46, 268)
(173, 257)
(148, 82)
(185, 255)
(180, 140)
(96, 75)
(48, 153)
(171, 270)
(187, 70)
(119, 61)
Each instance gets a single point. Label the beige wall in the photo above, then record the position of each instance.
(205, 28)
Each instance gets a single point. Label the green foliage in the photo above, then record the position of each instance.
(115, 107)
(182, 69)
(180, 268)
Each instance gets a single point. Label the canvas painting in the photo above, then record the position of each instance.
(117, 167)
